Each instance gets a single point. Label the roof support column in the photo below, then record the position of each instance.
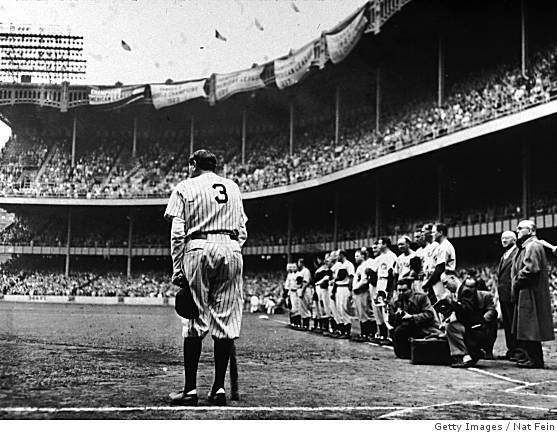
(523, 39)
(440, 71)
(289, 232)
(337, 115)
(291, 140)
(134, 142)
(377, 98)
(74, 132)
(130, 235)
(68, 242)
(243, 137)
(192, 133)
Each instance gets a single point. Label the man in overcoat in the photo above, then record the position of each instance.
(533, 321)
(508, 241)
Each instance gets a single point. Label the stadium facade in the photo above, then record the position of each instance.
(403, 63)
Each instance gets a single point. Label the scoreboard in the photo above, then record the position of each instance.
(40, 54)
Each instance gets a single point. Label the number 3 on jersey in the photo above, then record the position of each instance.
(222, 197)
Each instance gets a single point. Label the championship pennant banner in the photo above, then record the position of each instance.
(229, 84)
(292, 69)
(164, 95)
(117, 96)
(340, 44)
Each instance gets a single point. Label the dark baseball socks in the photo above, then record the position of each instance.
(192, 352)
(223, 347)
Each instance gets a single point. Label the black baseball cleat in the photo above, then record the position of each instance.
(183, 399)
(217, 399)
(235, 396)
(529, 364)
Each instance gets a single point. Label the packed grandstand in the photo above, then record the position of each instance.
(119, 157)
(41, 166)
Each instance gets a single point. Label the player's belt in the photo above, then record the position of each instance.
(202, 235)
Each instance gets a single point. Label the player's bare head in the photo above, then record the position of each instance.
(384, 243)
(358, 257)
(439, 231)
(334, 255)
(404, 287)
(364, 252)
(508, 239)
(375, 248)
(341, 255)
(203, 160)
(426, 232)
(525, 229)
(300, 263)
(403, 244)
(418, 235)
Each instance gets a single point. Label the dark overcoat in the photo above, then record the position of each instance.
(533, 320)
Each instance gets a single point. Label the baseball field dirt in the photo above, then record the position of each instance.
(68, 361)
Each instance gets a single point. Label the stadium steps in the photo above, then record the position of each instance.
(50, 154)
(115, 163)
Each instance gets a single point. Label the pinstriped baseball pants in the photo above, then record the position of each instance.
(214, 272)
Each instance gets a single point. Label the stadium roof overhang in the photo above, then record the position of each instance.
(331, 47)
(509, 120)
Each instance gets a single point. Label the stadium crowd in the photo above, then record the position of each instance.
(104, 166)
(420, 304)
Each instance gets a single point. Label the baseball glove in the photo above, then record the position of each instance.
(184, 303)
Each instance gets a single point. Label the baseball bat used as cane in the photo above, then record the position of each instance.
(234, 394)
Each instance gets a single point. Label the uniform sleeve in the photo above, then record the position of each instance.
(242, 230)
(177, 247)
(443, 255)
(307, 276)
(175, 206)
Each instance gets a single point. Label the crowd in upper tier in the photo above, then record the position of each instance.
(105, 167)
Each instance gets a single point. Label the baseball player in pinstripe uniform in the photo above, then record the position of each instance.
(382, 279)
(343, 273)
(334, 321)
(291, 286)
(361, 294)
(208, 230)
(323, 276)
(305, 293)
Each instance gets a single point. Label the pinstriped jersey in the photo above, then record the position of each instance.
(208, 202)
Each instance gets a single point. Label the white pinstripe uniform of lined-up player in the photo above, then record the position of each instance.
(208, 231)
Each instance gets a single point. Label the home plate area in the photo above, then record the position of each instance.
(120, 362)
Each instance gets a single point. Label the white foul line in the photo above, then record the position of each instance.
(500, 377)
(198, 408)
(469, 403)
(516, 390)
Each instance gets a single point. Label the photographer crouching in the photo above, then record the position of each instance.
(471, 324)
(414, 317)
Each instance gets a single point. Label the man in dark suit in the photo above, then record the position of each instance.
(414, 317)
(533, 320)
(472, 328)
(508, 240)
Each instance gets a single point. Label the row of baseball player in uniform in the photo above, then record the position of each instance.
(341, 289)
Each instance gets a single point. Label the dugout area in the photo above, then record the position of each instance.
(69, 361)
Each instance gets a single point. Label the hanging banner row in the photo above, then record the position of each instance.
(282, 72)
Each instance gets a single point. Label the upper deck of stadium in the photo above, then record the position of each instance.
(412, 80)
